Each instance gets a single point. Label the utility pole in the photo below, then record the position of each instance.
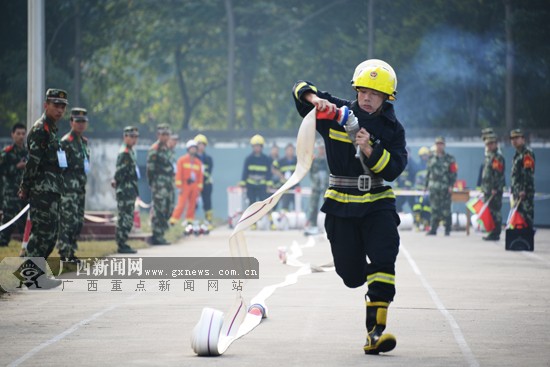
(230, 65)
(77, 58)
(370, 27)
(508, 21)
(36, 61)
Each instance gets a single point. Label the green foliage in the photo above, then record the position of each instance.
(147, 61)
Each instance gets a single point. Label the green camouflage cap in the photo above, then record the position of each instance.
(79, 114)
(490, 138)
(487, 131)
(440, 139)
(131, 131)
(164, 129)
(57, 96)
(516, 133)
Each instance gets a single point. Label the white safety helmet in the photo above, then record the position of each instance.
(191, 143)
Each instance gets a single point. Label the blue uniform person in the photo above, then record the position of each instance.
(207, 187)
(421, 208)
(361, 218)
(318, 174)
(256, 171)
(283, 168)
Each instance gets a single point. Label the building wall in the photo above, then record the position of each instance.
(228, 161)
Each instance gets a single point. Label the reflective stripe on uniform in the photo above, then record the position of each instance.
(382, 162)
(187, 165)
(377, 304)
(339, 135)
(300, 86)
(365, 198)
(259, 168)
(381, 277)
(252, 181)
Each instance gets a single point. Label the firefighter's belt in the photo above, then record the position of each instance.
(362, 183)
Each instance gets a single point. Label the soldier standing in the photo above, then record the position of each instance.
(441, 176)
(492, 183)
(12, 164)
(126, 186)
(42, 181)
(318, 174)
(523, 176)
(484, 134)
(73, 199)
(207, 188)
(160, 176)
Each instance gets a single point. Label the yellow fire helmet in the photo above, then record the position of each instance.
(376, 74)
(423, 151)
(257, 140)
(201, 139)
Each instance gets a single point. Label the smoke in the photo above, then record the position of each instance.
(436, 88)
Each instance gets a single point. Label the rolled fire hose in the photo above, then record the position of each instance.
(214, 332)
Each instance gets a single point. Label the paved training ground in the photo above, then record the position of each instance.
(460, 302)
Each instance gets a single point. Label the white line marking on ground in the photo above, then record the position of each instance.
(62, 335)
(459, 337)
(535, 256)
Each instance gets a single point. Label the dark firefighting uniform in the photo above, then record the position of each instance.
(256, 174)
(362, 223)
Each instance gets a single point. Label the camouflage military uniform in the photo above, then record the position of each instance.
(441, 176)
(492, 178)
(523, 180)
(74, 196)
(126, 179)
(160, 175)
(319, 183)
(11, 177)
(43, 183)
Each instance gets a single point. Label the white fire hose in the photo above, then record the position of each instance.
(215, 332)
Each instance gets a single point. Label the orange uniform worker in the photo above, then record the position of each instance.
(189, 180)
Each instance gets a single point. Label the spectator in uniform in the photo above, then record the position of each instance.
(75, 176)
(125, 183)
(523, 177)
(12, 163)
(440, 180)
(160, 176)
(492, 184)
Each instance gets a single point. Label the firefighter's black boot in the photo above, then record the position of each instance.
(376, 323)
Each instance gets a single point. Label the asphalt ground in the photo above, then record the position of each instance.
(460, 301)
